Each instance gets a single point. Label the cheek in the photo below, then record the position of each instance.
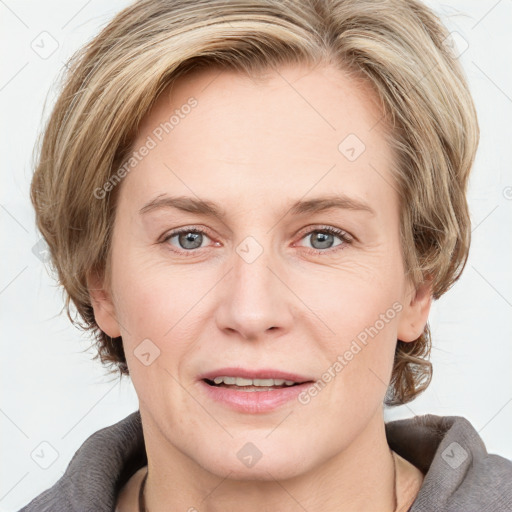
(147, 294)
(356, 378)
(362, 317)
(351, 297)
(158, 302)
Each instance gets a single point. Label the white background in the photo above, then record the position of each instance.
(53, 392)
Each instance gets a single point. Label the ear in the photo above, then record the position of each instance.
(103, 306)
(414, 314)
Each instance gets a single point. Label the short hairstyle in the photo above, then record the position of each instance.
(398, 47)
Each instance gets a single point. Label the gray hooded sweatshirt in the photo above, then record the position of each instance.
(460, 476)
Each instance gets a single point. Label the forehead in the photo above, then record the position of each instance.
(293, 130)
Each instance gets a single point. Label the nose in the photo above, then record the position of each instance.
(255, 301)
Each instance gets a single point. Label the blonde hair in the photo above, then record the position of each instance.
(396, 46)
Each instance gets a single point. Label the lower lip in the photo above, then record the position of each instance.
(253, 401)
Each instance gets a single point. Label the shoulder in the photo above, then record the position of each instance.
(98, 470)
(459, 472)
(128, 498)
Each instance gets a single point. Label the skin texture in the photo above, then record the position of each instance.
(255, 147)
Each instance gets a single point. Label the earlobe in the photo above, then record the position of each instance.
(103, 306)
(414, 315)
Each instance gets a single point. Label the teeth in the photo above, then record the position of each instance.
(241, 381)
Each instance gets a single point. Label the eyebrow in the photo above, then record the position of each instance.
(209, 208)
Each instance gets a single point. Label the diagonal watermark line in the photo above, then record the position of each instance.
(485, 15)
(167, 167)
(14, 423)
(216, 487)
(111, 315)
(211, 81)
(199, 403)
(492, 81)
(13, 279)
(508, 401)
(14, 218)
(14, 76)
(413, 86)
(390, 184)
(305, 100)
(97, 402)
(192, 307)
(98, 98)
(287, 492)
(405, 94)
(279, 424)
(387, 385)
(232, 267)
(494, 288)
(118, 322)
(492, 211)
(19, 19)
(76, 14)
(310, 189)
(301, 300)
(11, 489)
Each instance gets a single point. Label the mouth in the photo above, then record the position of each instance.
(243, 379)
(250, 385)
(253, 391)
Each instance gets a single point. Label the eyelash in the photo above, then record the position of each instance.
(343, 235)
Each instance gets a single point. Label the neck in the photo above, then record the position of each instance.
(360, 478)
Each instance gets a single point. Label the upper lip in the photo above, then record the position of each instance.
(263, 373)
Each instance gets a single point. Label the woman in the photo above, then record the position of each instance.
(253, 204)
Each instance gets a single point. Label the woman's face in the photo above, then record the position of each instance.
(263, 289)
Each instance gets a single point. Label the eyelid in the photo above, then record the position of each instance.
(325, 227)
(191, 228)
(346, 237)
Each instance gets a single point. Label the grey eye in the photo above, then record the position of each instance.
(324, 240)
(190, 240)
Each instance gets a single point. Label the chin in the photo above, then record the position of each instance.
(246, 462)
